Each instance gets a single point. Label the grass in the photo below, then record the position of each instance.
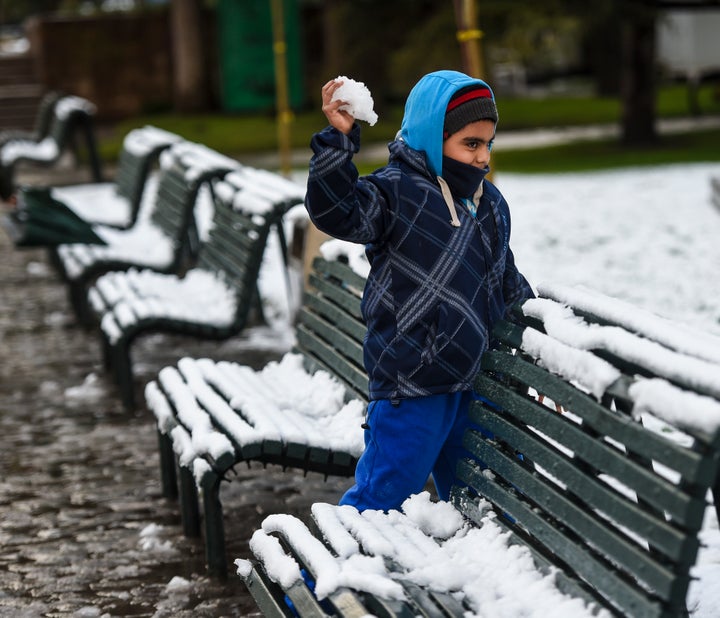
(694, 147)
(239, 134)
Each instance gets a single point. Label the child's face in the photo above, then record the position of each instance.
(471, 144)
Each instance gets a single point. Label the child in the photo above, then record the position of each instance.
(442, 273)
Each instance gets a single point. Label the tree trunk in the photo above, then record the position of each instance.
(190, 84)
(638, 80)
(333, 39)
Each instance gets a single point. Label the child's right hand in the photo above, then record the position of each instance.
(340, 119)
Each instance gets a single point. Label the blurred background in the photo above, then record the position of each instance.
(244, 76)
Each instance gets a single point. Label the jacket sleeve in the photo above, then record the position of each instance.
(338, 201)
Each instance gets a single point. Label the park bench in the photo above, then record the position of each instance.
(303, 412)
(71, 116)
(117, 203)
(50, 216)
(41, 126)
(162, 241)
(600, 441)
(212, 300)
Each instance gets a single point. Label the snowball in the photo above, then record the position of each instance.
(359, 101)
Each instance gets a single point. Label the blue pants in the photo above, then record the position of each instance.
(405, 443)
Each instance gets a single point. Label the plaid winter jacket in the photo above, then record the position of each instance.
(434, 290)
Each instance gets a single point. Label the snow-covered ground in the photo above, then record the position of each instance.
(650, 236)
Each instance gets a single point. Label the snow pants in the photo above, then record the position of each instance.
(406, 442)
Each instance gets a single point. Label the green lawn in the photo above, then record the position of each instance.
(241, 134)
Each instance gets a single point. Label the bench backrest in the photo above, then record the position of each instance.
(43, 118)
(184, 168)
(248, 204)
(41, 124)
(68, 112)
(573, 471)
(330, 329)
(141, 150)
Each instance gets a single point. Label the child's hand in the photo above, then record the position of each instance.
(340, 119)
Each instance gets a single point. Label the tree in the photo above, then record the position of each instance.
(191, 91)
(639, 83)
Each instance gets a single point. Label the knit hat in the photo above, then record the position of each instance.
(469, 105)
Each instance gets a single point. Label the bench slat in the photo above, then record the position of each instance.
(270, 598)
(314, 304)
(618, 551)
(692, 466)
(543, 534)
(340, 271)
(597, 454)
(575, 478)
(325, 354)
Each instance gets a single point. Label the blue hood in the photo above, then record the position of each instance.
(422, 124)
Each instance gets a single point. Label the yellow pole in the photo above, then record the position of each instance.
(469, 35)
(284, 113)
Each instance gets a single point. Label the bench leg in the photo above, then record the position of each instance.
(214, 527)
(189, 511)
(56, 262)
(92, 149)
(106, 351)
(168, 475)
(77, 295)
(7, 186)
(122, 369)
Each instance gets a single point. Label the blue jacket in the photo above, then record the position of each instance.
(434, 289)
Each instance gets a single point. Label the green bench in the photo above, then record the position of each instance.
(212, 300)
(50, 216)
(72, 116)
(41, 127)
(600, 445)
(212, 416)
(161, 242)
(117, 203)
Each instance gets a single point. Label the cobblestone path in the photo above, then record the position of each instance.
(84, 530)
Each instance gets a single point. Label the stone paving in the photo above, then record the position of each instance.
(84, 529)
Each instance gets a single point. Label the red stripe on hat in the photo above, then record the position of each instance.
(480, 93)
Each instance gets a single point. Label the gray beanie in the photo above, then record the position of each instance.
(469, 105)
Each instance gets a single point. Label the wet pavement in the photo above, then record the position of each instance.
(84, 530)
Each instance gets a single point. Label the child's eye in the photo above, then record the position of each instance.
(490, 145)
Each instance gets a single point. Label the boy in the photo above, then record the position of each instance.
(442, 273)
